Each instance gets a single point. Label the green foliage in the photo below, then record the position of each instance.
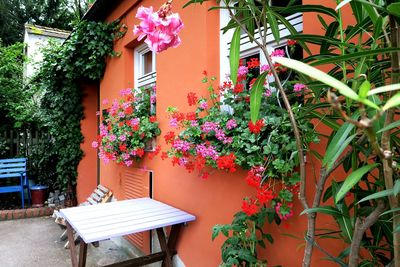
(43, 165)
(244, 235)
(81, 57)
(358, 99)
(17, 101)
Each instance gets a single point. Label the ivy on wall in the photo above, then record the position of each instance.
(80, 59)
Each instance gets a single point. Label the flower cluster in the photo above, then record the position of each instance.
(219, 135)
(127, 127)
(161, 28)
(281, 202)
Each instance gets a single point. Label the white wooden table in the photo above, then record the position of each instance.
(100, 222)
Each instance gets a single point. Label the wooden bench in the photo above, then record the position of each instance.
(15, 169)
(115, 219)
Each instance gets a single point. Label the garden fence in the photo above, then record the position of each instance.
(19, 142)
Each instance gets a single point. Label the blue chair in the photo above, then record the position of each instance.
(12, 169)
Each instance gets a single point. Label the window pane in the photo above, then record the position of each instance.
(284, 3)
(147, 63)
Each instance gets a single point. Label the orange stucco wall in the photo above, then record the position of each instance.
(213, 201)
(87, 169)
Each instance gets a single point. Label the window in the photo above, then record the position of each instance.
(145, 66)
(145, 78)
(250, 49)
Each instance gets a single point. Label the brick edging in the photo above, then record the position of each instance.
(25, 213)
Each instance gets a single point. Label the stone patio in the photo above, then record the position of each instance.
(35, 242)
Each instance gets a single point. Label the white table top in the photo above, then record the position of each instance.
(103, 221)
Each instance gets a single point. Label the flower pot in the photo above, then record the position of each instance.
(39, 195)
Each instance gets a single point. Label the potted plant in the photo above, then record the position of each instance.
(42, 172)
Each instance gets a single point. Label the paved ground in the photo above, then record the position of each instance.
(35, 243)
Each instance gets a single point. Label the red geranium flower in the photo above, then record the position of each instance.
(128, 110)
(178, 116)
(291, 42)
(227, 162)
(140, 152)
(264, 195)
(122, 147)
(249, 207)
(152, 119)
(253, 179)
(191, 116)
(253, 63)
(164, 155)
(169, 137)
(256, 128)
(192, 99)
(239, 87)
(205, 175)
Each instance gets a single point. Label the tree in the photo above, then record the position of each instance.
(61, 14)
(17, 101)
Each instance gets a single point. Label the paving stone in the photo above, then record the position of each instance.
(41, 246)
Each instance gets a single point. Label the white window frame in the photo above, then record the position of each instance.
(145, 80)
(246, 47)
(142, 79)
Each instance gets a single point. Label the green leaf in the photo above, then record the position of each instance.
(355, 55)
(292, 30)
(234, 55)
(342, 4)
(331, 32)
(318, 75)
(396, 187)
(384, 193)
(390, 211)
(352, 180)
(368, 102)
(319, 9)
(384, 89)
(338, 152)
(394, 8)
(357, 11)
(366, 5)
(323, 209)
(392, 102)
(322, 40)
(215, 231)
(364, 89)
(337, 143)
(273, 23)
(390, 126)
(346, 227)
(255, 97)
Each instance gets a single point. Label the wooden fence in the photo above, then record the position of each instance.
(19, 143)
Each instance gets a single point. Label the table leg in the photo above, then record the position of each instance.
(70, 233)
(82, 254)
(171, 244)
(167, 262)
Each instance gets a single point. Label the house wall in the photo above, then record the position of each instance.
(35, 39)
(212, 201)
(87, 168)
